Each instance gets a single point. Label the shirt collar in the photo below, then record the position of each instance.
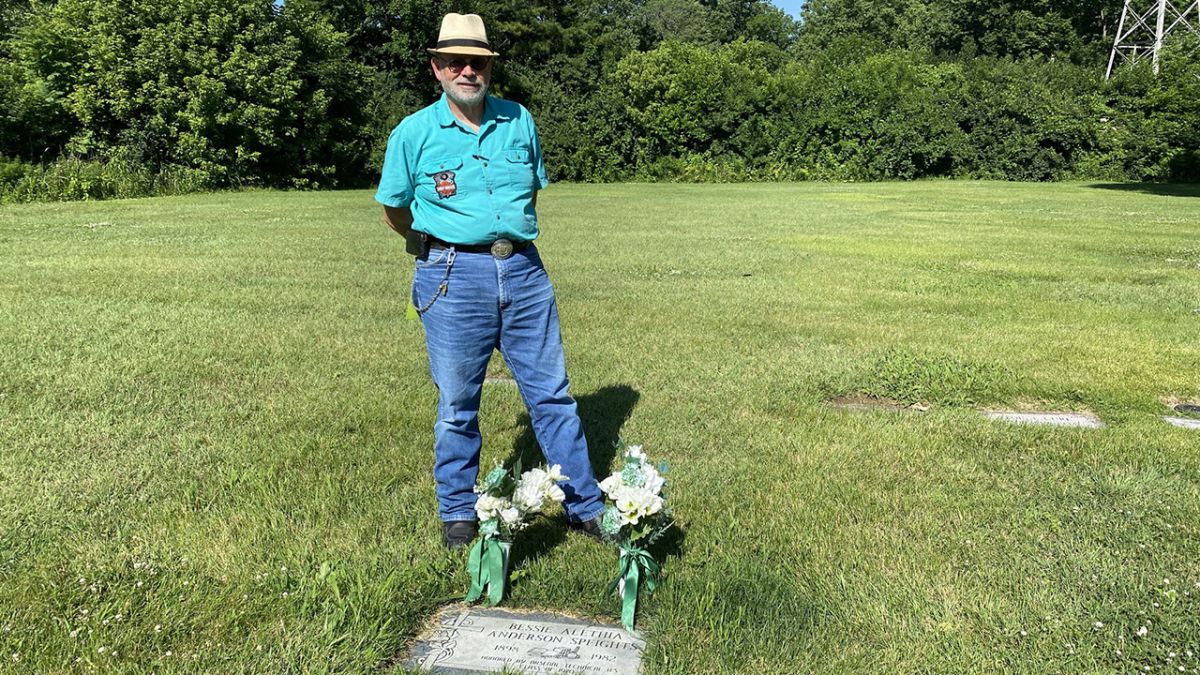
(446, 118)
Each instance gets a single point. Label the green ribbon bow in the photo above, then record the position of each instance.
(636, 565)
(486, 566)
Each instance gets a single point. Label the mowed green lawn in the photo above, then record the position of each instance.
(216, 428)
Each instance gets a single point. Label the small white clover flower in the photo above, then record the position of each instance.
(1141, 632)
(1099, 624)
(102, 649)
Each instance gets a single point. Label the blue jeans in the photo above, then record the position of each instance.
(509, 304)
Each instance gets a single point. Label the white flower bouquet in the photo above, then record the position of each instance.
(507, 500)
(635, 516)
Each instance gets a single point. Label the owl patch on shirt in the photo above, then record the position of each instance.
(445, 185)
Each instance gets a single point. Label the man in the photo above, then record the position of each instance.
(460, 182)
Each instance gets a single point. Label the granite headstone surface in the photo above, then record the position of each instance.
(1051, 419)
(477, 640)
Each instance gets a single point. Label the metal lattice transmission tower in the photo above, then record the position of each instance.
(1142, 29)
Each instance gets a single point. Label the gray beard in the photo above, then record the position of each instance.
(466, 101)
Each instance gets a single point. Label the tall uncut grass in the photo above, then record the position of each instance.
(215, 428)
(73, 179)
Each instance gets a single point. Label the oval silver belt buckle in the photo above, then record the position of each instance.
(502, 248)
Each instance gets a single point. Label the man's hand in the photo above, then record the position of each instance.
(400, 219)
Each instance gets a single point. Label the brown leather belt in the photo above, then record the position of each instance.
(501, 248)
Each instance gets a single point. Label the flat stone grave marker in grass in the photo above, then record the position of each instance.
(477, 640)
(1183, 422)
(500, 379)
(1054, 419)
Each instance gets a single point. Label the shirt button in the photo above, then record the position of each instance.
(497, 217)
(489, 191)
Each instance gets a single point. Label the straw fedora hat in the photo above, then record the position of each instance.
(463, 34)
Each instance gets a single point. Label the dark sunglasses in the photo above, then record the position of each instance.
(456, 66)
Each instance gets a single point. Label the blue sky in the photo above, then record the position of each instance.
(792, 7)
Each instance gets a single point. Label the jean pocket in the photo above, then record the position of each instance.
(436, 257)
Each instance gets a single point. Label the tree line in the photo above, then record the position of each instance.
(103, 98)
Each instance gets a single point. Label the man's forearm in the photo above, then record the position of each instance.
(398, 218)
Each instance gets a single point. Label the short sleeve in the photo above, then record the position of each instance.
(395, 181)
(539, 166)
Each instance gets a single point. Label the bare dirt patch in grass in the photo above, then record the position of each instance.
(1181, 406)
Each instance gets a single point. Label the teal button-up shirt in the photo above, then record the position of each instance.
(463, 186)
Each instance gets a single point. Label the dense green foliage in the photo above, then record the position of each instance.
(247, 92)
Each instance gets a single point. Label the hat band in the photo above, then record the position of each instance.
(442, 44)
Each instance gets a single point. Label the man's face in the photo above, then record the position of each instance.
(465, 79)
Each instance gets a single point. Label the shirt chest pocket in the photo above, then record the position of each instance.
(440, 179)
(518, 168)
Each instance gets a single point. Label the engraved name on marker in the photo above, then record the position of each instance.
(477, 640)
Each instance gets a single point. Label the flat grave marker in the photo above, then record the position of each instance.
(467, 640)
(1059, 419)
(1183, 422)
